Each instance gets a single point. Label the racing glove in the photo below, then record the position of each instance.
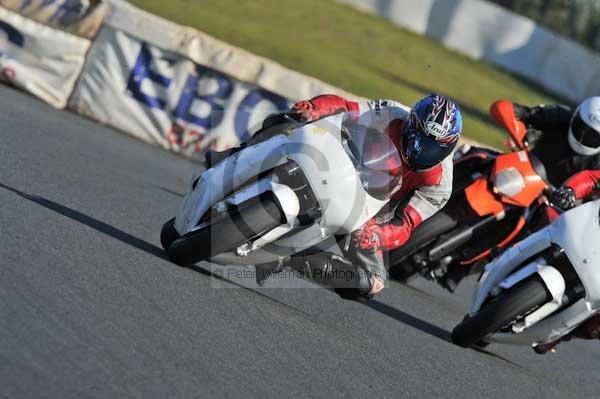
(374, 237)
(564, 197)
(532, 136)
(321, 107)
(368, 237)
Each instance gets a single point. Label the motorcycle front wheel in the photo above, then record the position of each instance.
(168, 234)
(518, 300)
(228, 231)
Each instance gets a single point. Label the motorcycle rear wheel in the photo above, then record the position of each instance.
(518, 300)
(226, 232)
(402, 268)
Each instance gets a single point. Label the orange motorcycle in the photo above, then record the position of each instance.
(496, 198)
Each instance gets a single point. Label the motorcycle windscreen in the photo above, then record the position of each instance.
(376, 160)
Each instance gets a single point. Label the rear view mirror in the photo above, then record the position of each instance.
(503, 112)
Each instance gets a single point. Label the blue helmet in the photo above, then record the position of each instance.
(432, 132)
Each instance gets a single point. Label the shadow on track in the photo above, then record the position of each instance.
(409, 320)
(496, 356)
(429, 328)
(153, 250)
(169, 191)
(89, 221)
(124, 237)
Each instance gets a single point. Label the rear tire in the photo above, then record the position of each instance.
(499, 312)
(240, 224)
(402, 268)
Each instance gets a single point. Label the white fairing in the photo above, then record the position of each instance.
(500, 269)
(578, 233)
(223, 179)
(317, 149)
(346, 206)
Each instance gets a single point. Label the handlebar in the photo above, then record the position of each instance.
(287, 117)
(548, 193)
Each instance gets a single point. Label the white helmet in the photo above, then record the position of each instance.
(584, 132)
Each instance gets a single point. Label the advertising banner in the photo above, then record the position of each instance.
(164, 98)
(39, 59)
(180, 88)
(82, 18)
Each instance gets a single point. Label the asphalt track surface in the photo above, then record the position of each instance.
(89, 307)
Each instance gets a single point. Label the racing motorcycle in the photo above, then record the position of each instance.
(285, 194)
(493, 201)
(542, 289)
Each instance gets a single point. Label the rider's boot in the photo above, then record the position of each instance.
(551, 346)
(266, 270)
(332, 271)
(590, 329)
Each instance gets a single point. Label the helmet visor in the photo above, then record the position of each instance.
(423, 152)
(584, 133)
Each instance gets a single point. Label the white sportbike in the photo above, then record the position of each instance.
(296, 190)
(542, 289)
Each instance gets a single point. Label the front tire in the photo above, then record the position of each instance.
(518, 300)
(168, 234)
(226, 232)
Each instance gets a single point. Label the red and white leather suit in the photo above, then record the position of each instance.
(428, 190)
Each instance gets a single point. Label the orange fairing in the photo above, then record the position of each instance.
(503, 112)
(515, 180)
(482, 200)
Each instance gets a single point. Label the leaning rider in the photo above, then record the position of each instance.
(566, 141)
(426, 137)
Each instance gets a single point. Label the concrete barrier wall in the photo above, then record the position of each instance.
(486, 31)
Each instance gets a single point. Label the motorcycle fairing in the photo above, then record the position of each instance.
(578, 233)
(503, 112)
(516, 170)
(224, 178)
(482, 200)
(317, 149)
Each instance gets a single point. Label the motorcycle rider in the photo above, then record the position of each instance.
(566, 141)
(426, 137)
